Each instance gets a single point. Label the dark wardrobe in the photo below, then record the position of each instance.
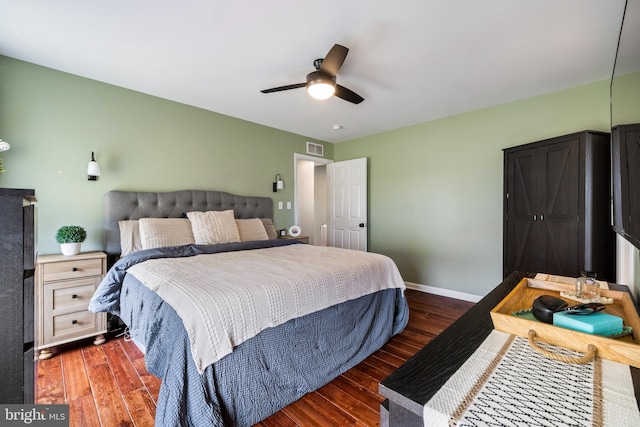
(557, 207)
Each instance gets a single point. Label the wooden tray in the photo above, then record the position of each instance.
(624, 350)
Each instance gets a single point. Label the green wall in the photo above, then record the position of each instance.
(625, 96)
(54, 120)
(435, 188)
(435, 202)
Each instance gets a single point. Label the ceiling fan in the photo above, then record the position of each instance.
(321, 84)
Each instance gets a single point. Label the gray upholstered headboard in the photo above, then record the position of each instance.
(120, 205)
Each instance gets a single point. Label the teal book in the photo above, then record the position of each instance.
(597, 323)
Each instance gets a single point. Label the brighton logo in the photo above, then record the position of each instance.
(34, 415)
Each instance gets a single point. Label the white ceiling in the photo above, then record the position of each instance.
(412, 60)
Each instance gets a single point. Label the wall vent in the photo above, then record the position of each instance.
(315, 149)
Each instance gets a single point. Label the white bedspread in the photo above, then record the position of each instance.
(226, 298)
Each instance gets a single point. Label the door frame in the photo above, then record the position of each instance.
(296, 158)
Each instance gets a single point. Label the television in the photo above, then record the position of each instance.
(625, 123)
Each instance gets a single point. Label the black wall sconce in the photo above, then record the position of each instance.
(278, 184)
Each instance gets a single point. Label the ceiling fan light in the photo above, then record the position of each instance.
(321, 90)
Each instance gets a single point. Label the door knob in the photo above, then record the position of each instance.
(362, 225)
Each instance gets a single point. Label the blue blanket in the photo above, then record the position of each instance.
(263, 374)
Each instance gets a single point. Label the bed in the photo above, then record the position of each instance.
(238, 323)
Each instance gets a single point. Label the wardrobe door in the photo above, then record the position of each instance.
(523, 236)
(559, 217)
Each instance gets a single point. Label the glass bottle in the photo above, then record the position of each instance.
(587, 287)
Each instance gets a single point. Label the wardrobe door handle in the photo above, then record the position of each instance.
(541, 217)
(74, 269)
(73, 322)
(535, 217)
(74, 296)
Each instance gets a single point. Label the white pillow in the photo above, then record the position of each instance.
(251, 229)
(213, 227)
(129, 236)
(164, 232)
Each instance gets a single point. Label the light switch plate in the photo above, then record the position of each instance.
(279, 205)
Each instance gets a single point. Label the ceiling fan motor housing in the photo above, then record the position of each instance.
(320, 77)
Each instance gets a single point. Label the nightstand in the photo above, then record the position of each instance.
(303, 239)
(64, 286)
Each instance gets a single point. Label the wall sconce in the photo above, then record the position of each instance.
(279, 184)
(4, 146)
(93, 169)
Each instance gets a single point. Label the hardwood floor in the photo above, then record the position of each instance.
(108, 385)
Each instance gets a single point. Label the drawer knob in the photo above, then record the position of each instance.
(74, 269)
(73, 322)
(74, 296)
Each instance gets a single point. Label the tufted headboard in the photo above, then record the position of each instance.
(121, 205)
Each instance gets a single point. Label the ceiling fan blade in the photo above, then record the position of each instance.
(348, 95)
(334, 60)
(281, 88)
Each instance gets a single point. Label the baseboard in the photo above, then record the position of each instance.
(443, 292)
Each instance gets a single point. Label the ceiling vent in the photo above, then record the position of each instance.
(315, 149)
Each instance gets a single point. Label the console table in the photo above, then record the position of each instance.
(414, 383)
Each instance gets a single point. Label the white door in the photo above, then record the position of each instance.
(347, 204)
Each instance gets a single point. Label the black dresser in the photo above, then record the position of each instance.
(17, 265)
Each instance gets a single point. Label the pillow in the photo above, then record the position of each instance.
(163, 232)
(129, 236)
(269, 228)
(251, 229)
(213, 227)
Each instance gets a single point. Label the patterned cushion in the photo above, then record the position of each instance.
(163, 232)
(251, 229)
(214, 227)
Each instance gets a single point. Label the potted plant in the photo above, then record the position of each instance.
(70, 238)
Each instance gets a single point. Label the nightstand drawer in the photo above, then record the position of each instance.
(72, 269)
(70, 325)
(68, 296)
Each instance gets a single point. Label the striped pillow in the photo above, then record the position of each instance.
(164, 232)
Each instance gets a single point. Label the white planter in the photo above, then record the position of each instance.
(69, 249)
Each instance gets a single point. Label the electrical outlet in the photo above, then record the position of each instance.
(288, 205)
(279, 205)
